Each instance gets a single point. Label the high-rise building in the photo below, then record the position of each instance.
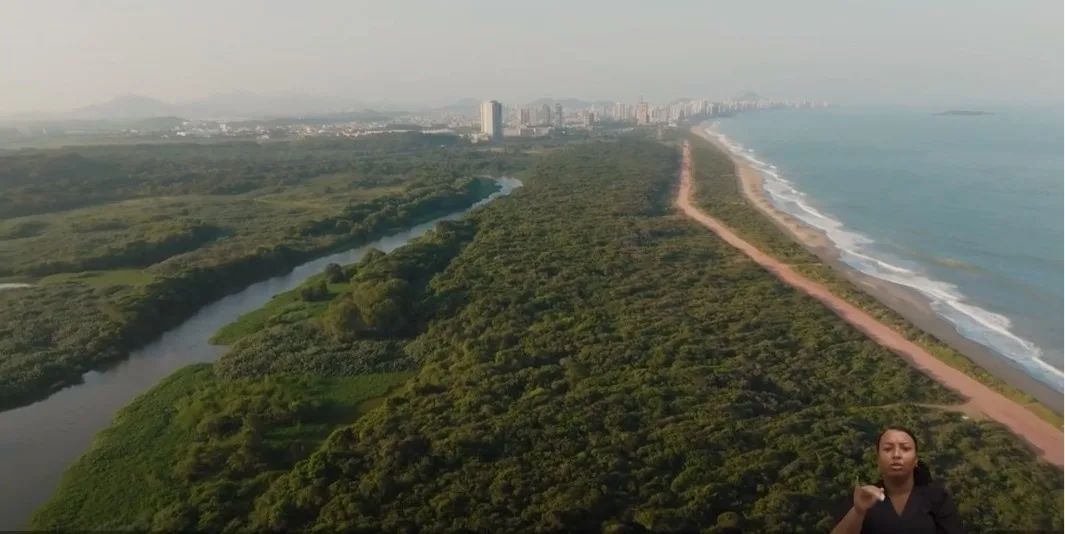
(492, 119)
(524, 117)
(643, 113)
(545, 115)
(676, 113)
(560, 119)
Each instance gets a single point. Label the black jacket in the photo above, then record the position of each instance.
(929, 510)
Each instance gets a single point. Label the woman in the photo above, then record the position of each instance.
(906, 500)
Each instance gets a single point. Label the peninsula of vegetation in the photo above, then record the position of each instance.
(577, 356)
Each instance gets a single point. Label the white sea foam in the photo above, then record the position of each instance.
(985, 327)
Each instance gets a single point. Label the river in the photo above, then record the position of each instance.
(38, 442)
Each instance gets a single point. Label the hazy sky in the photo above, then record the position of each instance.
(57, 54)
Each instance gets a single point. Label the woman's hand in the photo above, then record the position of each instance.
(866, 496)
(864, 499)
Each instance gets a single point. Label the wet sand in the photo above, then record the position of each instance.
(907, 302)
(1043, 437)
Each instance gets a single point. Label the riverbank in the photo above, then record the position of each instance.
(1040, 435)
(910, 304)
(39, 441)
(134, 316)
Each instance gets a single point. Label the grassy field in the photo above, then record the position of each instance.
(146, 452)
(285, 308)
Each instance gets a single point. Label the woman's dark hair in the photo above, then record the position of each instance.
(922, 475)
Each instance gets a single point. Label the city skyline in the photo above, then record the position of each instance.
(490, 121)
(252, 106)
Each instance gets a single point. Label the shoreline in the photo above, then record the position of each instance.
(907, 302)
(1043, 437)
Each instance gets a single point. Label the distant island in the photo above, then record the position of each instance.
(964, 113)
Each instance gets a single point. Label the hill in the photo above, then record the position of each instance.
(124, 107)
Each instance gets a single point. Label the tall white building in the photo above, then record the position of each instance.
(492, 119)
(643, 115)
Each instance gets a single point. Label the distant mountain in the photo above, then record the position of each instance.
(242, 105)
(749, 96)
(123, 107)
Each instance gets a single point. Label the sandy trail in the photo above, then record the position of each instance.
(1042, 436)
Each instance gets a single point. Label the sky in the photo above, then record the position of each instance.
(61, 54)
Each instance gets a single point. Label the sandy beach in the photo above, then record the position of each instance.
(907, 302)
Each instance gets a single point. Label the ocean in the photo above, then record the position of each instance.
(966, 210)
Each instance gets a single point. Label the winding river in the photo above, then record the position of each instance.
(38, 442)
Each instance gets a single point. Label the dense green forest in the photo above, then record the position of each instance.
(576, 356)
(718, 193)
(124, 242)
(41, 181)
(216, 443)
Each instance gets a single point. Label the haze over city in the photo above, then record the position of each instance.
(70, 53)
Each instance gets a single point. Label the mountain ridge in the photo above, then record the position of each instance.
(235, 105)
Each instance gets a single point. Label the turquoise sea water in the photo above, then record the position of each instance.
(966, 210)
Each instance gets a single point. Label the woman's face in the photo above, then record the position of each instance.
(897, 455)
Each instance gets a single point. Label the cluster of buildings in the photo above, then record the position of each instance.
(206, 129)
(491, 121)
(254, 130)
(497, 121)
